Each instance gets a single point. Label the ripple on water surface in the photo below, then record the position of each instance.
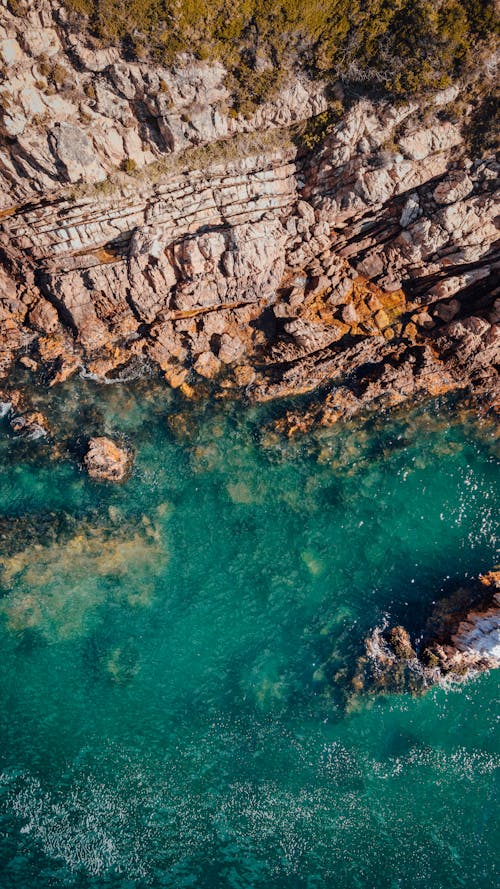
(177, 652)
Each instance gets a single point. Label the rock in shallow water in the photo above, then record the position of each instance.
(30, 424)
(461, 639)
(463, 633)
(105, 461)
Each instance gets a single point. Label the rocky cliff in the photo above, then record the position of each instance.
(325, 240)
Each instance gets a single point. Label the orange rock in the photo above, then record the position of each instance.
(105, 461)
(187, 390)
(244, 375)
(382, 319)
(176, 376)
(207, 365)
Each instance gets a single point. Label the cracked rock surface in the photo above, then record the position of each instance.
(143, 221)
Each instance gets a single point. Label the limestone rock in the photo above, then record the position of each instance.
(244, 375)
(41, 41)
(231, 349)
(423, 142)
(349, 314)
(44, 316)
(176, 376)
(411, 211)
(454, 187)
(10, 51)
(446, 311)
(94, 60)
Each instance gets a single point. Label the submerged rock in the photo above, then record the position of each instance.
(105, 461)
(389, 664)
(31, 424)
(56, 569)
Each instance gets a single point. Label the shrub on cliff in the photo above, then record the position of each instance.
(396, 46)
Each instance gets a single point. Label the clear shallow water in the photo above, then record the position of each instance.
(177, 652)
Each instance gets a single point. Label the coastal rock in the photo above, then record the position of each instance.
(454, 187)
(463, 634)
(30, 424)
(423, 142)
(207, 365)
(143, 218)
(10, 51)
(461, 639)
(93, 59)
(231, 349)
(43, 316)
(244, 375)
(105, 461)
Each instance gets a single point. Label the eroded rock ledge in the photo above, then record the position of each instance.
(143, 221)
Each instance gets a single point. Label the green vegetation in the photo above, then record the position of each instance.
(483, 127)
(129, 166)
(316, 129)
(283, 141)
(395, 46)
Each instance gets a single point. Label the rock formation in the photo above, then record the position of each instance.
(105, 461)
(461, 639)
(145, 221)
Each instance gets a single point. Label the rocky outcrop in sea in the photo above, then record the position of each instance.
(460, 640)
(106, 461)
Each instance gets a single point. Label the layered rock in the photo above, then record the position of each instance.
(144, 220)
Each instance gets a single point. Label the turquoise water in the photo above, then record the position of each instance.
(177, 652)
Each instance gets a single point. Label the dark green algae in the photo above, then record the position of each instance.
(177, 651)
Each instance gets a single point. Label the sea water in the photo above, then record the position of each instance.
(177, 652)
